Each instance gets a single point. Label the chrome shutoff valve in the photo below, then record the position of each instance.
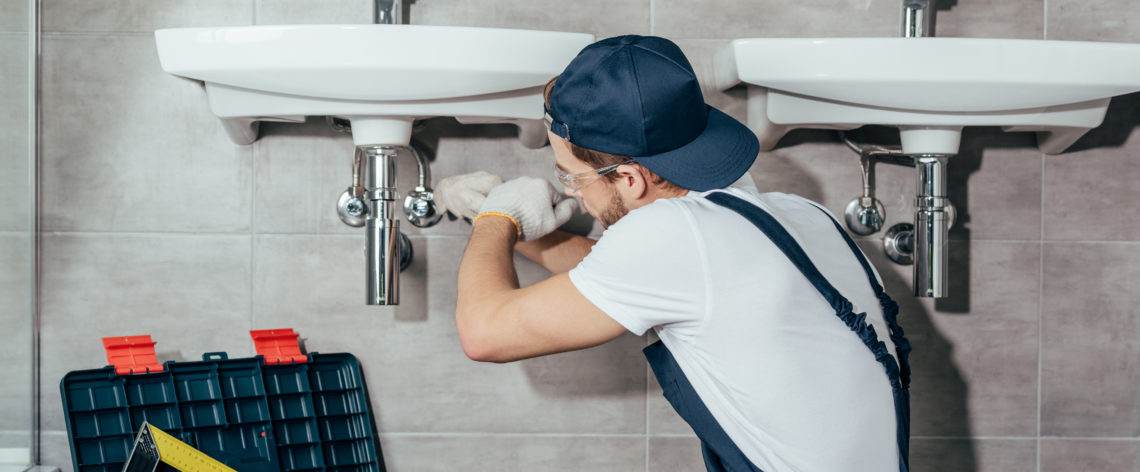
(865, 215)
(351, 207)
(420, 208)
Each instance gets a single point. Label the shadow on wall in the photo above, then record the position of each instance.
(975, 142)
(615, 368)
(939, 393)
(1122, 117)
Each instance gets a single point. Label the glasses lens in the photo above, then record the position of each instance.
(567, 180)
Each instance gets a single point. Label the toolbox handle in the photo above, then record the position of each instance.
(215, 356)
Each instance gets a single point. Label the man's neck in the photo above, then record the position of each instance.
(656, 193)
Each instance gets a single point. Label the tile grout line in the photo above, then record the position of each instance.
(253, 152)
(1040, 309)
(474, 434)
(222, 234)
(63, 34)
(35, 108)
(177, 234)
(971, 438)
(477, 434)
(646, 370)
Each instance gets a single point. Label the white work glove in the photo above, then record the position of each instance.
(536, 207)
(463, 195)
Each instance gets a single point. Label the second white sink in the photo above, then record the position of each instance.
(929, 87)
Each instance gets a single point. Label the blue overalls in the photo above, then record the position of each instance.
(720, 453)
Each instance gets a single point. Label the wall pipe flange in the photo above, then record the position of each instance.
(898, 243)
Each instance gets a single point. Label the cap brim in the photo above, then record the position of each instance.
(720, 155)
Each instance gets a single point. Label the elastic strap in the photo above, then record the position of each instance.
(518, 229)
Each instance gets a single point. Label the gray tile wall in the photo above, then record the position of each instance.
(15, 129)
(15, 226)
(154, 223)
(16, 358)
(14, 15)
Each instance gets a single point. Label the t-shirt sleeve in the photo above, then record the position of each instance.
(647, 269)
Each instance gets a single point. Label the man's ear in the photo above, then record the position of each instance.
(633, 181)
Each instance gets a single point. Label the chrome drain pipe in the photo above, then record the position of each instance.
(382, 228)
(932, 219)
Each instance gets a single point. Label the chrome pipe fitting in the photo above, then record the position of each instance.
(925, 242)
(932, 219)
(419, 205)
(382, 229)
(372, 204)
(351, 207)
(917, 19)
(388, 12)
(865, 215)
(898, 243)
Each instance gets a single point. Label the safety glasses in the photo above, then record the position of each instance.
(575, 182)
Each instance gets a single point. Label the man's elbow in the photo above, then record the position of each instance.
(478, 341)
(482, 352)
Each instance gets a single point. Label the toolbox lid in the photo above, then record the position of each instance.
(248, 413)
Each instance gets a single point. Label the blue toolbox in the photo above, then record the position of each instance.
(278, 411)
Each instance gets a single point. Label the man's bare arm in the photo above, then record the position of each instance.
(558, 252)
(500, 322)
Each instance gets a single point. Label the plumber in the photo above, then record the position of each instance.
(777, 343)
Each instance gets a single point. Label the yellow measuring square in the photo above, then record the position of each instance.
(155, 447)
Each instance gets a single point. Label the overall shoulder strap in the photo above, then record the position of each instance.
(890, 308)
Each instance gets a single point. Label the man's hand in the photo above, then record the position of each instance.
(464, 194)
(533, 203)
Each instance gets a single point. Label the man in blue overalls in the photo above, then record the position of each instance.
(778, 345)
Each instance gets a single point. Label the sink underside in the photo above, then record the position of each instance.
(929, 87)
(380, 77)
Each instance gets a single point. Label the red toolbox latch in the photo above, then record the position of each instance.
(278, 346)
(132, 354)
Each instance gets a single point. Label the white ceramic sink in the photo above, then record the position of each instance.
(380, 77)
(929, 87)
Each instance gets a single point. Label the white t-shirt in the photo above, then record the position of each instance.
(787, 380)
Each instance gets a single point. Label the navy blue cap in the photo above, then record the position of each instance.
(637, 96)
